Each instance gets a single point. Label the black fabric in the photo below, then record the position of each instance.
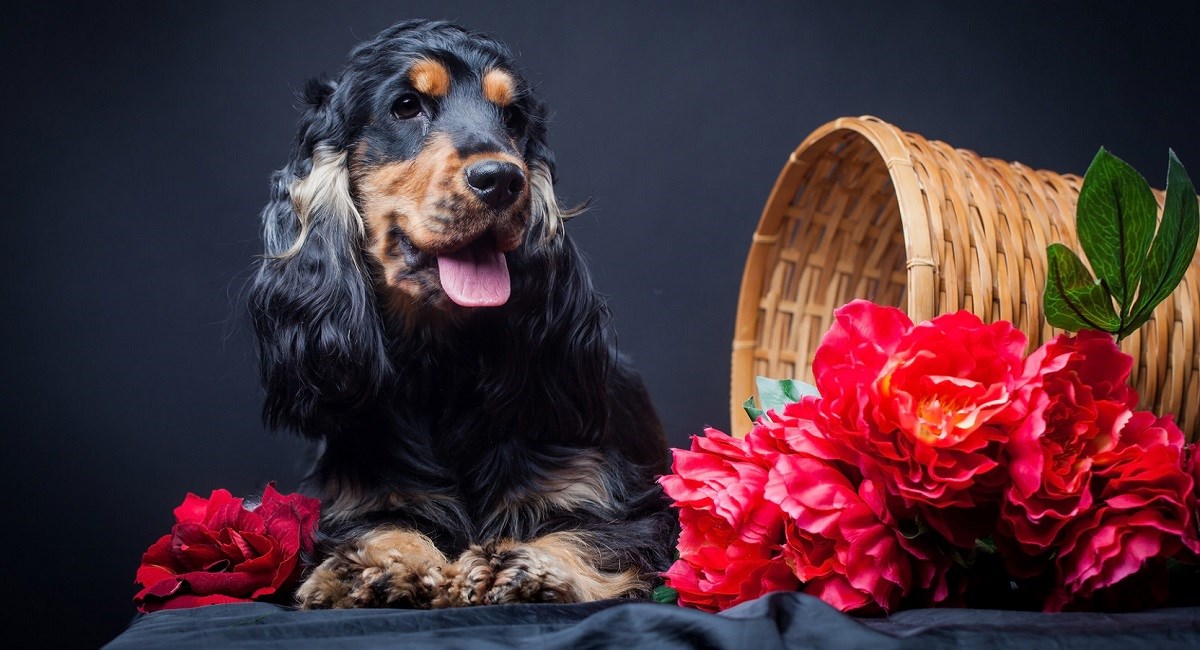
(781, 620)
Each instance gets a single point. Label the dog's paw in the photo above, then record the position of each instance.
(384, 569)
(468, 579)
(328, 586)
(558, 568)
(530, 575)
(507, 573)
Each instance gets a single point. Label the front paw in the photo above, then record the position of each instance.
(507, 573)
(468, 579)
(328, 586)
(383, 569)
(529, 576)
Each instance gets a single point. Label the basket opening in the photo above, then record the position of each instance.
(837, 236)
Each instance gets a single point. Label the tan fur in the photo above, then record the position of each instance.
(559, 567)
(579, 484)
(428, 200)
(429, 77)
(574, 556)
(546, 212)
(324, 194)
(387, 546)
(386, 568)
(499, 87)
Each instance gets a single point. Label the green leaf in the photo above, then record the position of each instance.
(1173, 247)
(775, 393)
(1072, 300)
(751, 410)
(664, 595)
(1115, 222)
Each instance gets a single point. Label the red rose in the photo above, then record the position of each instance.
(800, 428)
(221, 552)
(730, 543)
(926, 408)
(1078, 401)
(931, 436)
(1140, 516)
(717, 569)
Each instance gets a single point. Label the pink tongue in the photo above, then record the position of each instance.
(476, 276)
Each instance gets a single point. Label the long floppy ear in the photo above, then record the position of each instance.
(320, 341)
(547, 216)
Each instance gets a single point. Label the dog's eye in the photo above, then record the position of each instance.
(406, 106)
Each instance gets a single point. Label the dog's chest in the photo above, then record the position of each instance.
(522, 494)
(498, 450)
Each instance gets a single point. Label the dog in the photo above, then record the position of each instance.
(423, 316)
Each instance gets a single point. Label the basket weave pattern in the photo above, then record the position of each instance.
(865, 210)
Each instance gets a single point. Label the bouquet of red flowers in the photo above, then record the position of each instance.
(928, 446)
(936, 464)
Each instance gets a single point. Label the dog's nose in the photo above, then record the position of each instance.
(495, 182)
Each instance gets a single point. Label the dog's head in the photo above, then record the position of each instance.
(431, 150)
(417, 174)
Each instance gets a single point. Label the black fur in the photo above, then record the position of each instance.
(454, 413)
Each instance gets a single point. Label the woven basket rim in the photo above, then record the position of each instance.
(974, 232)
(887, 140)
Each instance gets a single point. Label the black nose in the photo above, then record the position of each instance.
(495, 182)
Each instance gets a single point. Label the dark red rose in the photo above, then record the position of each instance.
(1191, 465)
(219, 551)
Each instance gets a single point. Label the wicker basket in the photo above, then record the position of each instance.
(865, 210)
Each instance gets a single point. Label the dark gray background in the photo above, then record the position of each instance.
(138, 141)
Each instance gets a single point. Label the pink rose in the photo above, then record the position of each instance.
(730, 543)
(720, 476)
(836, 541)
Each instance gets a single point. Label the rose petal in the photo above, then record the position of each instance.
(219, 501)
(290, 519)
(192, 510)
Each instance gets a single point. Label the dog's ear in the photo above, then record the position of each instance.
(320, 339)
(317, 92)
(547, 215)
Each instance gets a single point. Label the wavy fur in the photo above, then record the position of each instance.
(505, 423)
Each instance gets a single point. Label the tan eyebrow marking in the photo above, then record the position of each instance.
(430, 77)
(499, 87)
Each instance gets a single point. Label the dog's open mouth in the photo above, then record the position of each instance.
(475, 275)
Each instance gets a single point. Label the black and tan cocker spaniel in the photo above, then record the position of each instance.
(422, 314)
